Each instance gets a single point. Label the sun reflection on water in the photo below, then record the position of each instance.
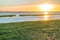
(46, 16)
(45, 13)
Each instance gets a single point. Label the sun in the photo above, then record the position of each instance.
(46, 7)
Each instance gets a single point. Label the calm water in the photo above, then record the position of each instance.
(28, 18)
(2, 13)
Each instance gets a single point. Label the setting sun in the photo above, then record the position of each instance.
(46, 7)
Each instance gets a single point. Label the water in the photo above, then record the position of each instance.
(27, 18)
(9, 13)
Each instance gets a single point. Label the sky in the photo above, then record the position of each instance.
(26, 5)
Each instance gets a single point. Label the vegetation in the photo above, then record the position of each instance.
(19, 15)
(34, 30)
(6, 15)
(26, 15)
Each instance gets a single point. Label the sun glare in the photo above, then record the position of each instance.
(46, 7)
(45, 17)
(46, 13)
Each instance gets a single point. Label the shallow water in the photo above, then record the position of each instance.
(30, 13)
(28, 18)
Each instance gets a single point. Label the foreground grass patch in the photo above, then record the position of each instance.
(35, 30)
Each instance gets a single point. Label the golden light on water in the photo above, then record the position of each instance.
(46, 17)
(46, 7)
(45, 13)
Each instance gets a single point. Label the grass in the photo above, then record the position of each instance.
(26, 15)
(6, 15)
(19, 15)
(34, 30)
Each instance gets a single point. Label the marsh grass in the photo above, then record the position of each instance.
(34, 30)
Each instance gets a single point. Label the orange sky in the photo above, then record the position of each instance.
(19, 8)
(27, 5)
(26, 8)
